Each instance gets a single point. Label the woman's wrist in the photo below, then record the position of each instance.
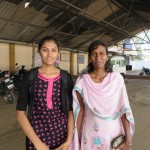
(38, 144)
(128, 140)
(69, 139)
(128, 143)
(67, 142)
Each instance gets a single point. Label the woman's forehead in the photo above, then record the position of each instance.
(99, 48)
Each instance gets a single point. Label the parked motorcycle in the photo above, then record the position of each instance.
(145, 71)
(4, 73)
(6, 86)
(17, 76)
(22, 71)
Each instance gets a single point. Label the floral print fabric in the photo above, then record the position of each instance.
(49, 122)
(104, 103)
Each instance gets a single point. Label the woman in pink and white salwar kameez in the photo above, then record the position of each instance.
(101, 106)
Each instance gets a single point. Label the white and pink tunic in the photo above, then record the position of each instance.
(105, 103)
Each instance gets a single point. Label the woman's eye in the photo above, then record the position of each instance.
(102, 53)
(53, 50)
(93, 54)
(44, 49)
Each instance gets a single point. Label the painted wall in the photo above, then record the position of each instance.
(77, 68)
(84, 65)
(64, 60)
(23, 55)
(138, 65)
(4, 56)
(75, 64)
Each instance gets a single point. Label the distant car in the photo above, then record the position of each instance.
(118, 64)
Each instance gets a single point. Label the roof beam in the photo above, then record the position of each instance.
(94, 18)
(35, 26)
(57, 16)
(134, 14)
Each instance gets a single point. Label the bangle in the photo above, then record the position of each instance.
(129, 144)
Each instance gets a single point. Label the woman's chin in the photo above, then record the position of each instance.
(99, 67)
(49, 64)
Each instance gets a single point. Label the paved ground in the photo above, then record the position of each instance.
(12, 138)
(135, 72)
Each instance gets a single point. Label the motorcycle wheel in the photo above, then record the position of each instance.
(141, 73)
(10, 97)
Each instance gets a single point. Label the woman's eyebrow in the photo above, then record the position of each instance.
(51, 48)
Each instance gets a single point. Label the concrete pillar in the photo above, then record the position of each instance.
(12, 57)
(33, 54)
(72, 62)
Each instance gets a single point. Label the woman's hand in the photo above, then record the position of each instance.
(64, 146)
(41, 146)
(79, 146)
(124, 146)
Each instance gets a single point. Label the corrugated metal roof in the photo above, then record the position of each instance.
(111, 20)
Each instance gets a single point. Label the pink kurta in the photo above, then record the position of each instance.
(104, 104)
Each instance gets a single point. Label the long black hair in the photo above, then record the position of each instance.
(93, 46)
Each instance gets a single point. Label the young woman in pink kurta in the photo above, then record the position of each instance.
(101, 106)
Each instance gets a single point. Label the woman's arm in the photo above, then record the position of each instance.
(126, 126)
(29, 132)
(70, 127)
(128, 140)
(81, 113)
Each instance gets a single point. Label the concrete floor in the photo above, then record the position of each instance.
(11, 136)
(133, 72)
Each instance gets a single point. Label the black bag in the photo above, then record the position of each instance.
(117, 141)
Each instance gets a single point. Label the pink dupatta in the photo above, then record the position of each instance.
(107, 100)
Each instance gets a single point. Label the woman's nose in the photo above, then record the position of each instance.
(97, 56)
(49, 53)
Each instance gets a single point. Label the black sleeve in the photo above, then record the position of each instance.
(70, 88)
(23, 94)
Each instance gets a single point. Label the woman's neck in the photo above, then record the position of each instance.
(49, 71)
(99, 72)
(98, 75)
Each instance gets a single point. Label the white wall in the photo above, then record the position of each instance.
(23, 55)
(83, 66)
(4, 56)
(64, 60)
(138, 65)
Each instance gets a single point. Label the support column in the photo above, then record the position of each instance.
(72, 61)
(78, 62)
(33, 54)
(12, 57)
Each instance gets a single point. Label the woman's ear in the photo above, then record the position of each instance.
(107, 58)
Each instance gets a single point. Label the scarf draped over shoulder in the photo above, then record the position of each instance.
(107, 100)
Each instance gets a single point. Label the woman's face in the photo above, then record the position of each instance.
(49, 52)
(98, 57)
